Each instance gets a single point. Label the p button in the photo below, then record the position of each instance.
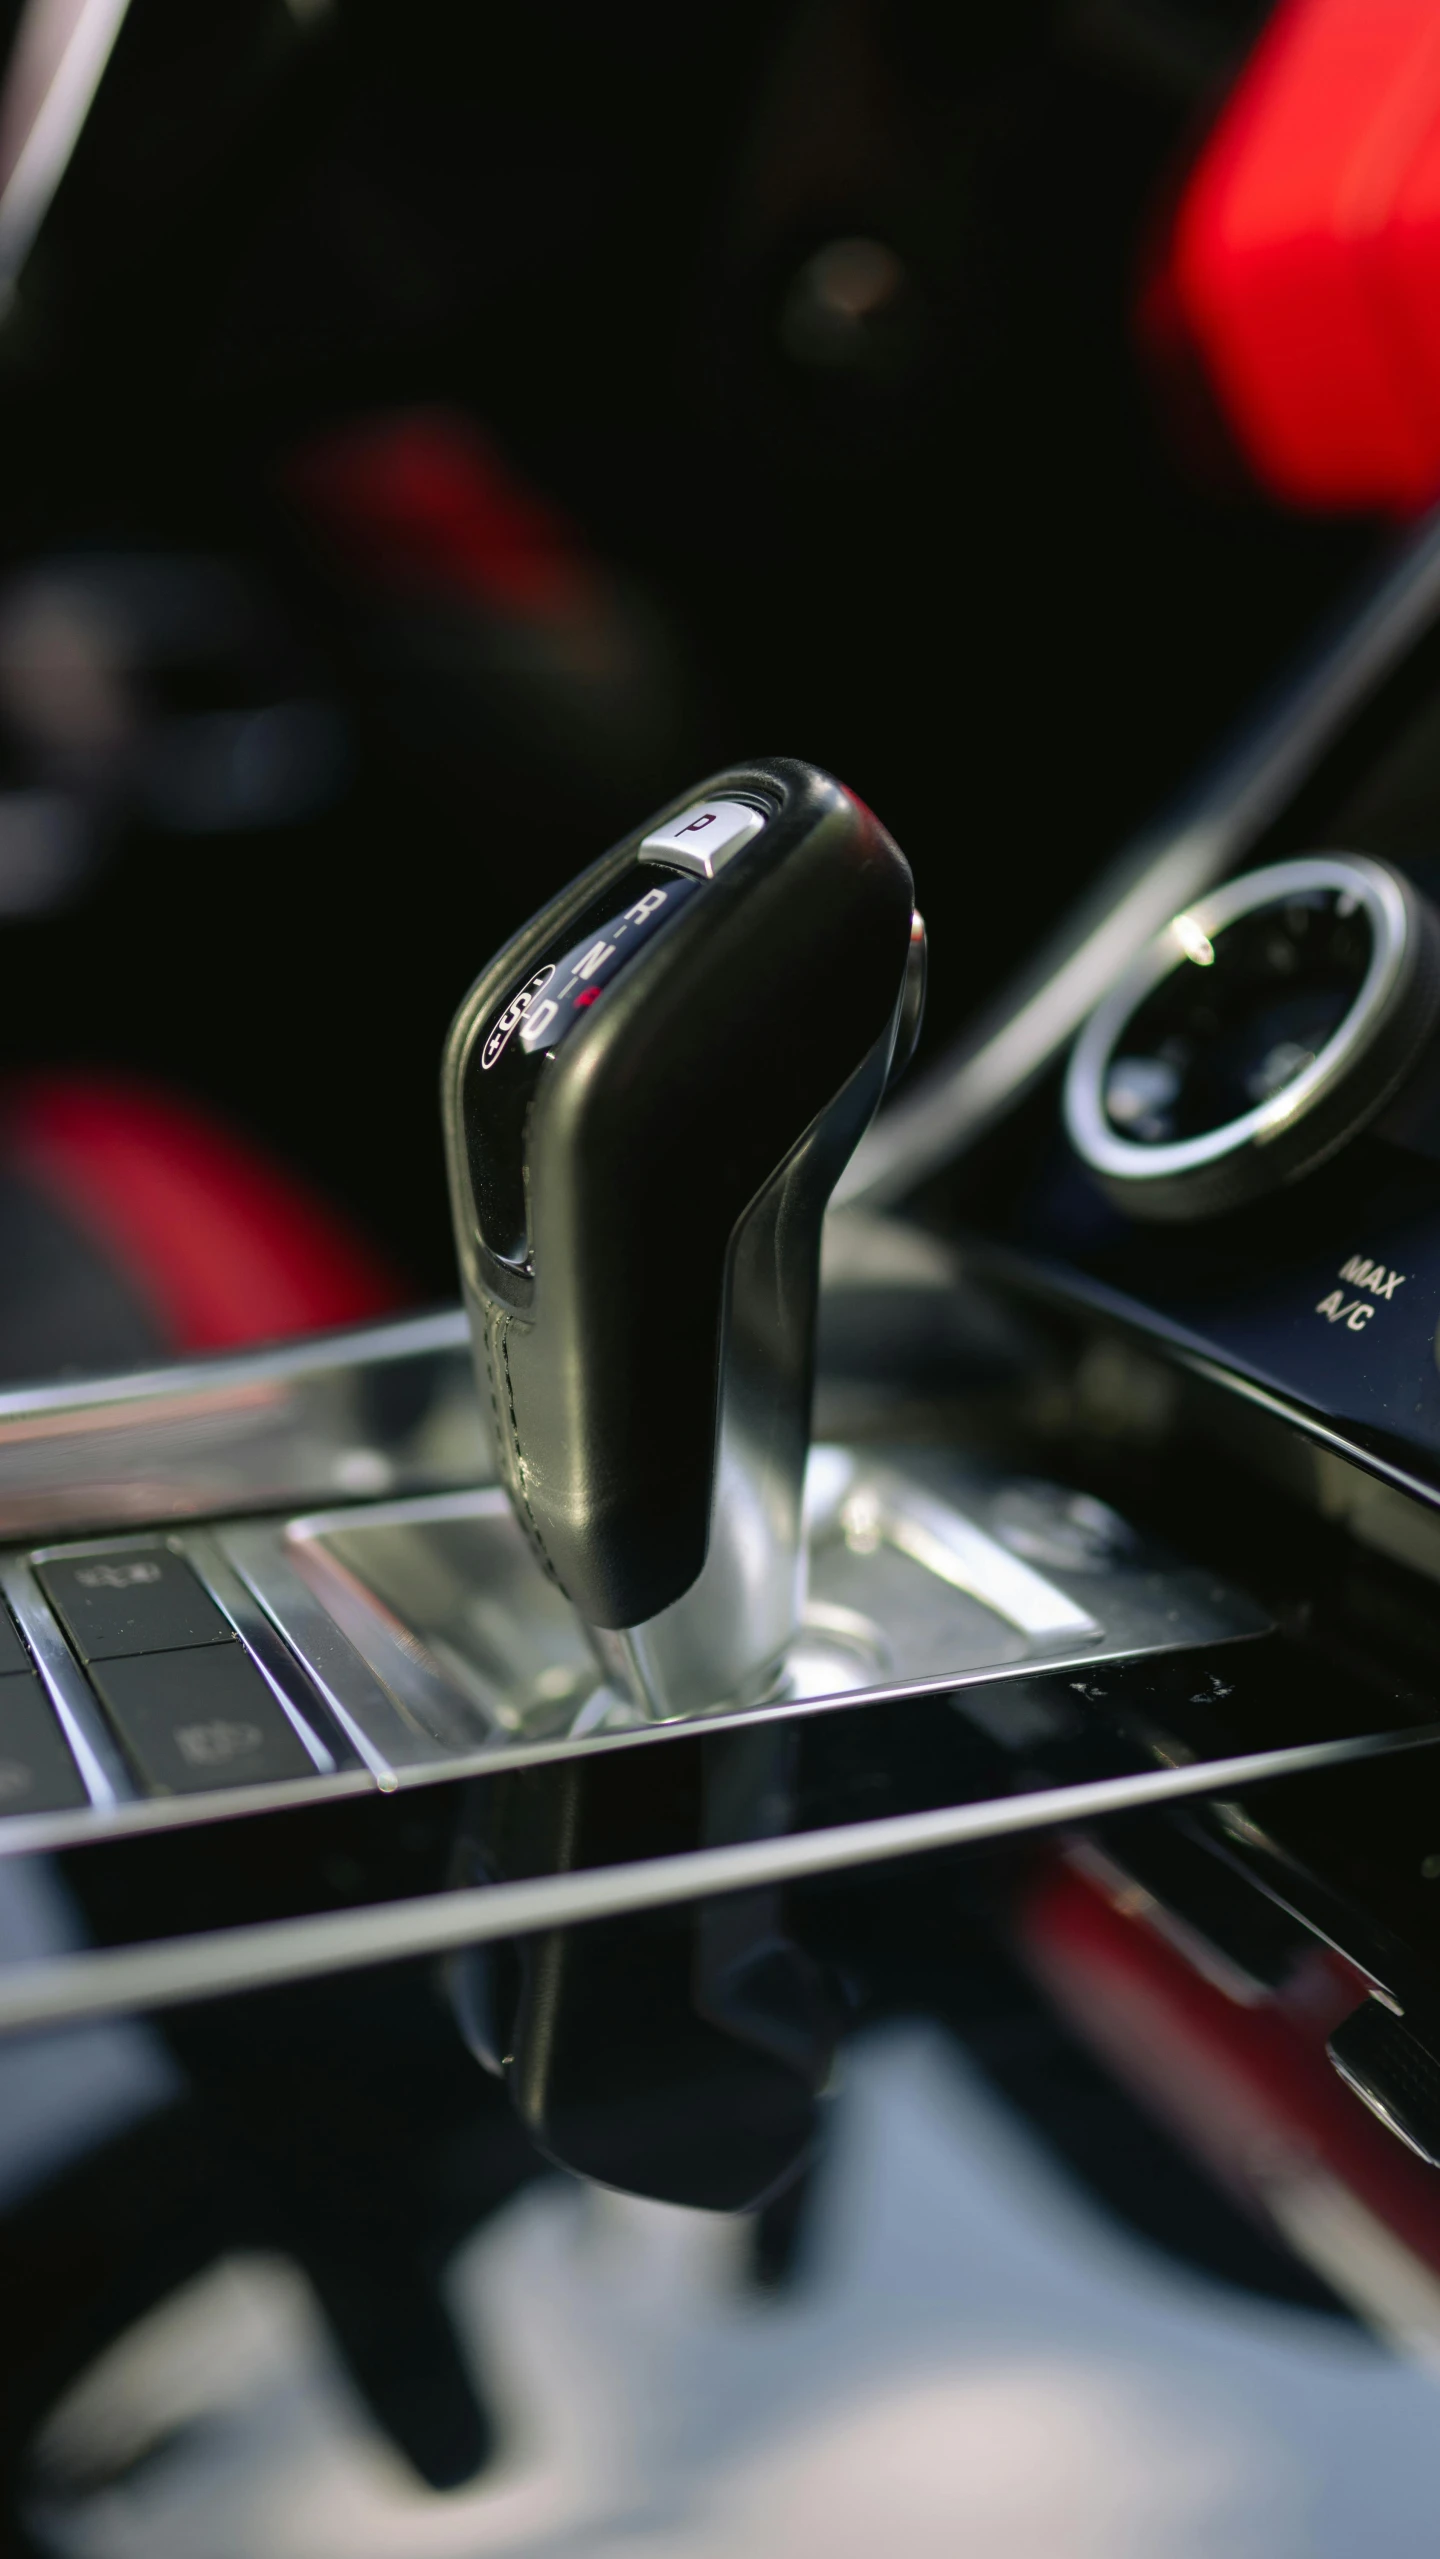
(704, 838)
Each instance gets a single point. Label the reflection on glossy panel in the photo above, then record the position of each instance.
(955, 2344)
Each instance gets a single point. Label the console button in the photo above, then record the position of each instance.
(13, 1655)
(139, 1599)
(705, 838)
(193, 1720)
(37, 1773)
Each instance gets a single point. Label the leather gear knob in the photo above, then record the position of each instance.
(640, 1170)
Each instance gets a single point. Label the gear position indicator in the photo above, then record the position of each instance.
(577, 979)
(674, 863)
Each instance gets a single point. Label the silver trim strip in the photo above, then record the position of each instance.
(306, 1356)
(437, 1720)
(118, 1980)
(958, 1551)
(360, 1706)
(1383, 2113)
(1156, 877)
(58, 61)
(103, 1772)
(25, 1834)
(368, 1713)
(141, 1816)
(274, 1661)
(388, 1409)
(469, 1501)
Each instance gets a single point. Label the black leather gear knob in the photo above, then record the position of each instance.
(648, 1097)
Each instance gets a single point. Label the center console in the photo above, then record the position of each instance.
(485, 1636)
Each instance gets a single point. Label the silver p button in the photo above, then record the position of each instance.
(704, 838)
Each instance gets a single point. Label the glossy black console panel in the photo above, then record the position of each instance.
(1329, 1298)
(1256, 1377)
(1325, 1291)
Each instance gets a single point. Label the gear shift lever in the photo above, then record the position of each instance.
(648, 1097)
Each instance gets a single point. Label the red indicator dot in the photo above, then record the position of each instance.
(590, 996)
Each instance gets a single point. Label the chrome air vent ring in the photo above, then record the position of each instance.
(1254, 1036)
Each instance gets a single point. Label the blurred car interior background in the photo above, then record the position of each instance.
(431, 437)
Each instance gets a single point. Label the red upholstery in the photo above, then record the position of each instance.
(1248, 2086)
(423, 501)
(221, 1246)
(1303, 264)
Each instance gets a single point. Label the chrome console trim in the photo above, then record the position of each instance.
(390, 1720)
(363, 1711)
(276, 1663)
(386, 1693)
(70, 1989)
(29, 1834)
(884, 1506)
(425, 1681)
(385, 1409)
(103, 1772)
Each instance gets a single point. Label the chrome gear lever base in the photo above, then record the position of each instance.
(923, 1570)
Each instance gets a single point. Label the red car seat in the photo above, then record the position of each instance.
(135, 1226)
